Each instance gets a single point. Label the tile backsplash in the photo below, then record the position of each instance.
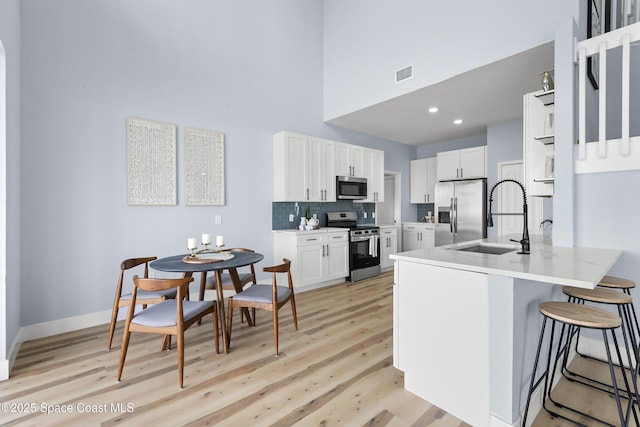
(423, 209)
(280, 212)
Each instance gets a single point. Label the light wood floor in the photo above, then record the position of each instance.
(335, 371)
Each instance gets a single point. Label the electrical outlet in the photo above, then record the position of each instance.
(292, 217)
(364, 215)
(373, 214)
(218, 219)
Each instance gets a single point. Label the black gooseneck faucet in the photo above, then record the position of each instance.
(525, 232)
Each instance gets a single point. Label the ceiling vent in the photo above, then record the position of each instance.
(404, 74)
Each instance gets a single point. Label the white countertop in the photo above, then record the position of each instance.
(572, 266)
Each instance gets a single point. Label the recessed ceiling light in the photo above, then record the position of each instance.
(457, 121)
(433, 109)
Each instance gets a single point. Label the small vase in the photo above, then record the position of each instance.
(547, 81)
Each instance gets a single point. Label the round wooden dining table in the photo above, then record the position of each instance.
(176, 264)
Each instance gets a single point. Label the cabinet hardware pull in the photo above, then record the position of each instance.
(307, 194)
(327, 250)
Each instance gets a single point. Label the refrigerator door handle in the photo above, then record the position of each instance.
(451, 213)
(455, 208)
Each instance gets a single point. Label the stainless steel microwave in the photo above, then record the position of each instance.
(351, 188)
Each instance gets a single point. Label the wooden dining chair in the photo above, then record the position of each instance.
(144, 298)
(267, 297)
(170, 317)
(246, 276)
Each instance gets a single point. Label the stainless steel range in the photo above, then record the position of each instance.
(364, 245)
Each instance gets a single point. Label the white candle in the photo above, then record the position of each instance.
(206, 239)
(219, 241)
(191, 243)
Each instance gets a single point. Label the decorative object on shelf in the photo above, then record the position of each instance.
(548, 167)
(151, 162)
(547, 81)
(548, 124)
(204, 167)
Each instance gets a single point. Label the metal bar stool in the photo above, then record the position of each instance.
(623, 303)
(571, 314)
(624, 285)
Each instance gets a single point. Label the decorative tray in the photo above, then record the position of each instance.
(208, 257)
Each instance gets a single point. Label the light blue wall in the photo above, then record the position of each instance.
(10, 181)
(504, 143)
(210, 65)
(430, 150)
(367, 42)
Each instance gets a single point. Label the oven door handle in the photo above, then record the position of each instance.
(373, 246)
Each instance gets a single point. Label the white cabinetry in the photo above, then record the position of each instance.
(423, 180)
(322, 175)
(374, 163)
(417, 235)
(303, 168)
(462, 164)
(318, 258)
(388, 246)
(350, 160)
(539, 141)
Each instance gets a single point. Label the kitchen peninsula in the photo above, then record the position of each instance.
(466, 323)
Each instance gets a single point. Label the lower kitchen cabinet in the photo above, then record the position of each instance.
(318, 258)
(416, 235)
(388, 246)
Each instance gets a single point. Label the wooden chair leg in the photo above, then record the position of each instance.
(180, 339)
(112, 328)
(275, 328)
(123, 351)
(229, 324)
(215, 330)
(166, 343)
(294, 312)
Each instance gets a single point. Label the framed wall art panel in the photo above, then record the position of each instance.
(204, 167)
(151, 162)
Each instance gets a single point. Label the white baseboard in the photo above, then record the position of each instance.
(61, 326)
(69, 324)
(45, 329)
(4, 369)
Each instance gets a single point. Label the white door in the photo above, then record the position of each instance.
(385, 210)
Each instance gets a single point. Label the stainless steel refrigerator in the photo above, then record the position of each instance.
(461, 211)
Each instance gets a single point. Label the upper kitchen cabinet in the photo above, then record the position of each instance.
(538, 149)
(303, 168)
(374, 165)
(462, 164)
(322, 174)
(350, 160)
(423, 180)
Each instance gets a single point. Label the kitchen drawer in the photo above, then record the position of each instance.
(319, 238)
(311, 239)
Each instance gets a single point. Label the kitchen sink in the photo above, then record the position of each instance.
(484, 248)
